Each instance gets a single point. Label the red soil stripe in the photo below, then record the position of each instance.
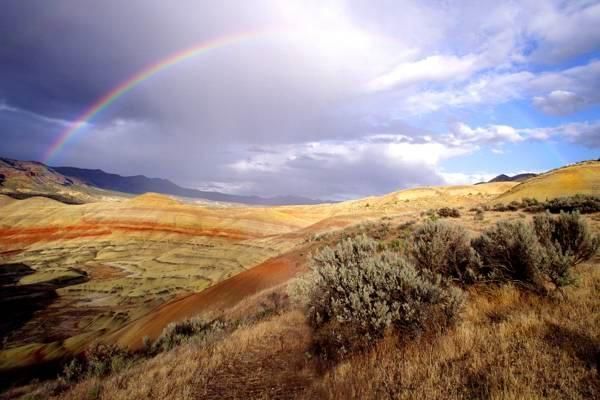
(223, 295)
(31, 235)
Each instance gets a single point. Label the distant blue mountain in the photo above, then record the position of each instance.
(139, 184)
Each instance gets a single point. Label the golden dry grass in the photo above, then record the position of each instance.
(582, 178)
(143, 253)
(510, 344)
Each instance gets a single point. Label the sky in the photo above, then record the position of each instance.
(330, 100)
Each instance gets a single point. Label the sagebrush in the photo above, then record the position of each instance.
(567, 241)
(510, 251)
(445, 249)
(536, 254)
(358, 294)
(197, 329)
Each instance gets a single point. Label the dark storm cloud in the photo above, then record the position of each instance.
(24, 136)
(60, 57)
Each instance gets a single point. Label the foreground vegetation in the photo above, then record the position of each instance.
(434, 313)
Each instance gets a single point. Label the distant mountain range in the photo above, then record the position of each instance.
(76, 185)
(506, 178)
(139, 184)
(515, 178)
(22, 179)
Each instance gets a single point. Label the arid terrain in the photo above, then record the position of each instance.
(118, 269)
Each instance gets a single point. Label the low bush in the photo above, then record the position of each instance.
(510, 251)
(98, 360)
(538, 253)
(479, 215)
(447, 212)
(499, 207)
(431, 214)
(529, 202)
(445, 249)
(73, 371)
(567, 241)
(357, 294)
(102, 359)
(584, 204)
(177, 333)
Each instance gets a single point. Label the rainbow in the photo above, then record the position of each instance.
(142, 75)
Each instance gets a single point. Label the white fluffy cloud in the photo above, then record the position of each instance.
(565, 30)
(555, 92)
(430, 69)
(495, 65)
(582, 133)
(461, 134)
(559, 102)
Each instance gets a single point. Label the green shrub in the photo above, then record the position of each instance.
(513, 206)
(584, 204)
(73, 371)
(356, 295)
(444, 249)
(529, 202)
(180, 332)
(510, 251)
(538, 253)
(98, 360)
(101, 359)
(431, 214)
(499, 207)
(567, 241)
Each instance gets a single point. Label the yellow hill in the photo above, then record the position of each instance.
(5, 200)
(154, 200)
(429, 197)
(582, 178)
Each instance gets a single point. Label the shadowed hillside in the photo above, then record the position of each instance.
(24, 179)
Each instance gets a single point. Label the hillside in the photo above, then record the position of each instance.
(23, 179)
(141, 253)
(118, 271)
(582, 178)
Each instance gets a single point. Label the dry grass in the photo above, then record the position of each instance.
(511, 344)
(265, 360)
(582, 178)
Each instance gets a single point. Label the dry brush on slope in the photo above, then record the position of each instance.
(356, 294)
(509, 344)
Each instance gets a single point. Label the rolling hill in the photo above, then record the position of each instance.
(152, 259)
(581, 178)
